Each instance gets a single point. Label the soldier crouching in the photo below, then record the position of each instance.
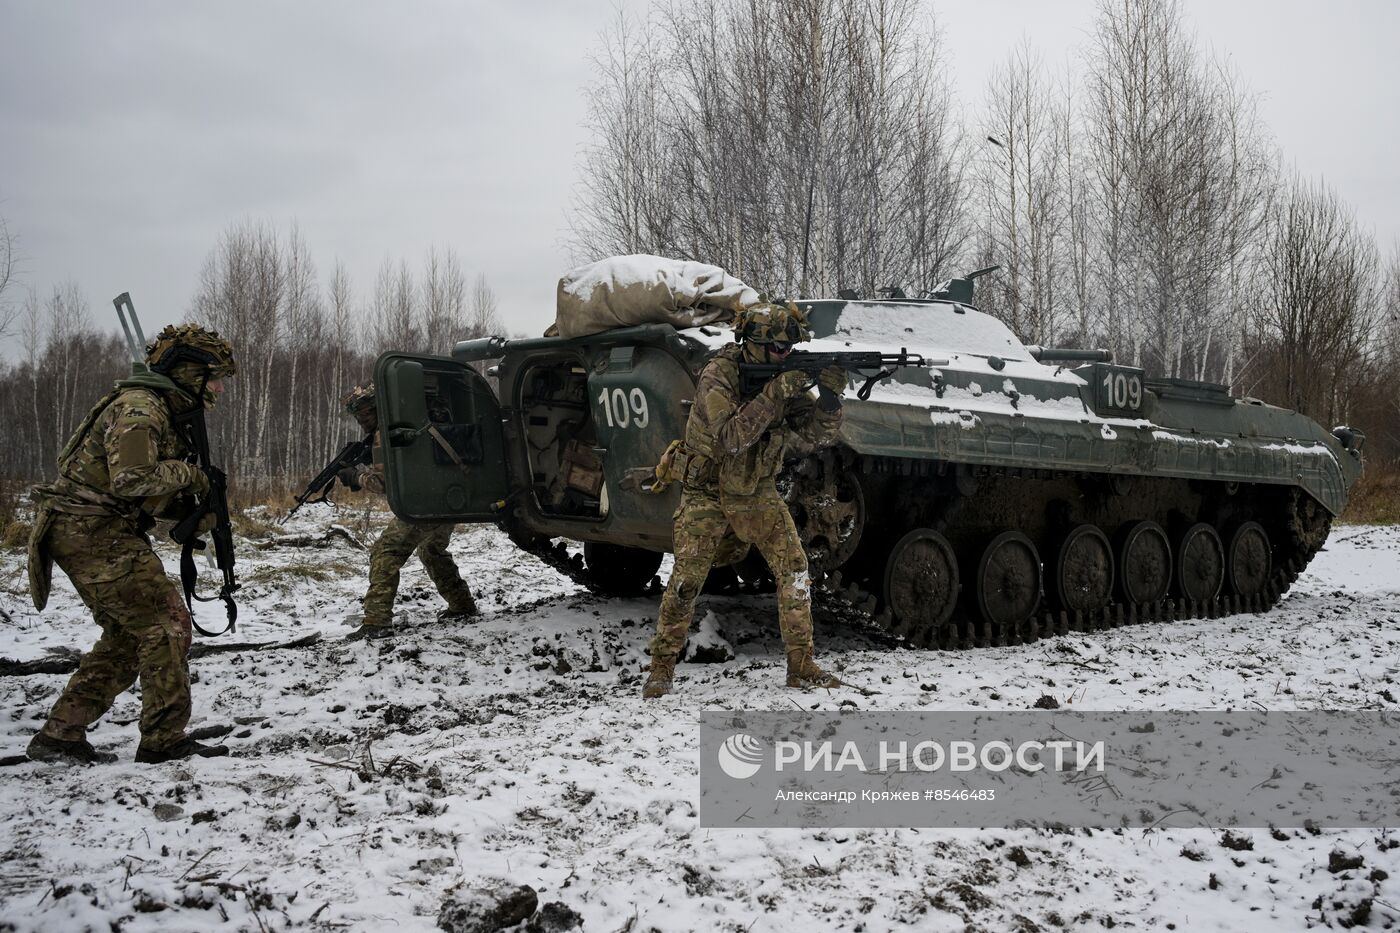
(127, 465)
(732, 453)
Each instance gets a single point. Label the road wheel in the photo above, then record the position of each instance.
(1250, 559)
(921, 585)
(1008, 580)
(1144, 563)
(618, 570)
(1200, 563)
(1084, 570)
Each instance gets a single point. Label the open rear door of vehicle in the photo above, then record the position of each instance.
(441, 441)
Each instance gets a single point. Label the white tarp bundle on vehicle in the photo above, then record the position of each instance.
(627, 290)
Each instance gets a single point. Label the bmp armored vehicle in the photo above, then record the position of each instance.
(1000, 493)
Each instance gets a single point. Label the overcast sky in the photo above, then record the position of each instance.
(133, 133)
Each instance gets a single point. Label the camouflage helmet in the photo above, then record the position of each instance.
(772, 322)
(359, 399)
(190, 343)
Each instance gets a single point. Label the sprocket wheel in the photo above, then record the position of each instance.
(921, 585)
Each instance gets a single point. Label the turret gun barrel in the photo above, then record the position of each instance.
(1069, 355)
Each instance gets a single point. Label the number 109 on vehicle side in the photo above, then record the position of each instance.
(1117, 388)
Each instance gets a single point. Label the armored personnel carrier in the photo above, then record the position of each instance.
(1003, 493)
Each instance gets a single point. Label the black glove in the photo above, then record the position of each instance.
(831, 384)
(349, 478)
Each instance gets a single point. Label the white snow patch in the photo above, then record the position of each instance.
(708, 637)
(928, 325)
(1312, 450)
(1196, 440)
(962, 419)
(802, 585)
(374, 777)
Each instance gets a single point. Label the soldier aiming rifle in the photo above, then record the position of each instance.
(733, 448)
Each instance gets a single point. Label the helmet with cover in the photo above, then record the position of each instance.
(192, 356)
(358, 399)
(775, 324)
(359, 402)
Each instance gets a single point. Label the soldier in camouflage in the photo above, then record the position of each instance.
(731, 454)
(128, 464)
(399, 540)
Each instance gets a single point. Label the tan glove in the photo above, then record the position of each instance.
(199, 483)
(834, 379)
(786, 385)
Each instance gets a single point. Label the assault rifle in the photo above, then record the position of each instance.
(871, 366)
(352, 454)
(186, 532)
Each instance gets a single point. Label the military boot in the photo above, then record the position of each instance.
(458, 607)
(802, 671)
(659, 679)
(47, 748)
(185, 748)
(372, 632)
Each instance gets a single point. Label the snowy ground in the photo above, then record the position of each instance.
(368, 779)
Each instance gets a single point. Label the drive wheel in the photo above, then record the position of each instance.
(1144, 563)
(1250, 559)
(921, 585)
(829, 518)
(1084, 571)
(1008, 579)
(618, 570)
(1200, 563)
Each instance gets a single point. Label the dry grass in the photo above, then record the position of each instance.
(1375, 499)
(14, 531)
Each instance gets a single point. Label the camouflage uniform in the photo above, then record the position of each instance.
(401, 539)
(127, 465)
(741, 446)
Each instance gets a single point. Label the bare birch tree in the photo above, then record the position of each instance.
(1023, 172)
(1319, 303)
(394, 309)
(444, 294)
(1180, 178)
(485, 322)
(9, 269)
(805, 145)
